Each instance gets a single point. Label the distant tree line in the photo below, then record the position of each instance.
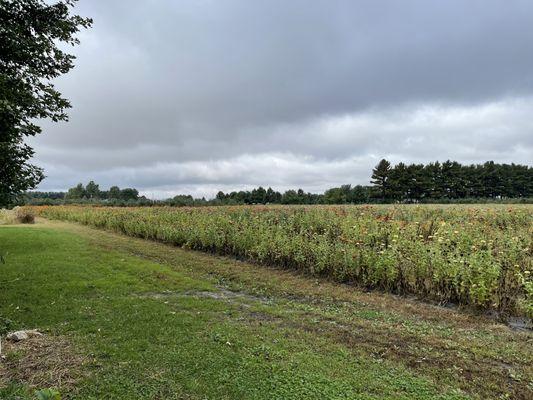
(338, 195)
(89, 193)
(92, 191)
(448, 182)
(451, 181)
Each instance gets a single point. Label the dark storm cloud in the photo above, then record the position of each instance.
(201, 94)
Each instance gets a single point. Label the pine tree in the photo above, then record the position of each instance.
(380, 177)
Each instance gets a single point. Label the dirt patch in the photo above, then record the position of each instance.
(221, 294)
(225, 294)
(40, 362)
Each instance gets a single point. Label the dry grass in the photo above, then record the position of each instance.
(41, 362)
(17, 215)
(7, 217)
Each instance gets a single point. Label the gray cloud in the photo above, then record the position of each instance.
(197, 95)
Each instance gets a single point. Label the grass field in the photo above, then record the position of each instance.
(128, 318)
(479, 256)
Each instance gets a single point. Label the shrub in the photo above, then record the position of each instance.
(24, 215)
(48, 394)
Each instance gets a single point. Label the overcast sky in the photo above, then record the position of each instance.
(193, 96)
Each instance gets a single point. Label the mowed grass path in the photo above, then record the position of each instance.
(151, 321)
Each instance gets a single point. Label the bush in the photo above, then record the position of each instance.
(24, 215)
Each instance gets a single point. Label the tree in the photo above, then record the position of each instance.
(182, 200)
(77, 192)
(31, 34)
(419, 184)
(16, 176)
(290, 197)
(359, 194)
(129, 194)
(114, 192)
(398, 181)
(258, 196)
(92, 190)
(338, 195)
(272, 196)
(221, 196)
(380, 176)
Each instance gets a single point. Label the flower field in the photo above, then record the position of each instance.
(479, 256)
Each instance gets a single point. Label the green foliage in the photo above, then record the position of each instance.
(129, 194)
(474, 256)
(5, 325)
(182, 200)
(380, 178)
(114, 192)
(30, 58)
(436, 182)
(448, 183)
(77, 192)
(16, 175)
(47, 394)
(92, 190)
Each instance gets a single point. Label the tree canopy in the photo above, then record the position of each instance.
(31, 56)
(451, 180)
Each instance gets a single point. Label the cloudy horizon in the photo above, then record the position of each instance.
(193, 97)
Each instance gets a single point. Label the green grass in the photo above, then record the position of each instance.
(157, 322)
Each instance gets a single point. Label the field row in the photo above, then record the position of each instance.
(478, 256)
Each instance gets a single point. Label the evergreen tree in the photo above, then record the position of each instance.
(258, 196)
(380, 176)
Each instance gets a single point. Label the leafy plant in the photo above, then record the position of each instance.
(48, 394)
(5, 325)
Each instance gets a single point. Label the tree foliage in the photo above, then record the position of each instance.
(31, 56)
(432, 183)
(452, 181)
(380, 176)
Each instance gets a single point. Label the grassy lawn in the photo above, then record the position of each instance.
(127, 318)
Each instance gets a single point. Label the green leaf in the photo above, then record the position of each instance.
(48, 394)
